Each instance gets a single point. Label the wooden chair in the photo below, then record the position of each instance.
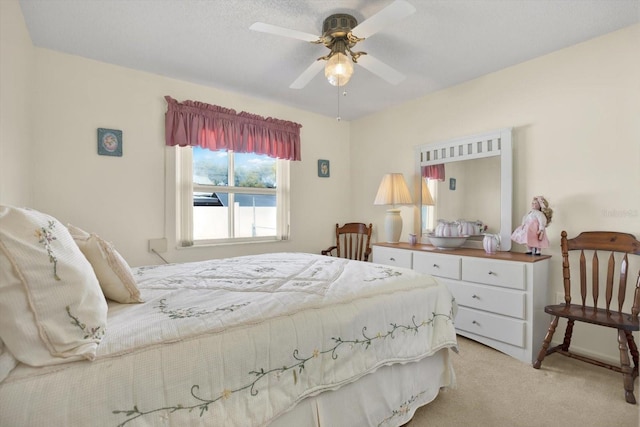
(618, 246)
(353, 241)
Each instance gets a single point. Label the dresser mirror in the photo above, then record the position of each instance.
(477, 183)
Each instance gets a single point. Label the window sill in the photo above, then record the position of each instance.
(229, 243)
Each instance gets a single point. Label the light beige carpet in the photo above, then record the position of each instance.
(495, 390)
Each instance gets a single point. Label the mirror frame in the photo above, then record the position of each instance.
(488, 144)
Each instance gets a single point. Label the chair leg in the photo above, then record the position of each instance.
(625, 367)
(566, 343)
(633, 349)
(545, 344)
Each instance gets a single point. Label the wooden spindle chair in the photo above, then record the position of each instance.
(353, 241)
(618, 246)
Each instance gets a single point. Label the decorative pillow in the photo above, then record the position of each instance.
(113, 272)
(52, 309)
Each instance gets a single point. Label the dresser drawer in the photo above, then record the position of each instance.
(437, 265)
(394, 257)
(510, 331)
(494, 272)
(489, 298)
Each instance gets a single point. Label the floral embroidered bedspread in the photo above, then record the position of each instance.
(236, 342)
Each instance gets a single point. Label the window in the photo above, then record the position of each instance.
(427, 211)
(227, 197)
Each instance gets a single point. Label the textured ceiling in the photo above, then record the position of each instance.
(444, 43)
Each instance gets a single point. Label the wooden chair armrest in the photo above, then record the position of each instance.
(329, 250)
(367, 253)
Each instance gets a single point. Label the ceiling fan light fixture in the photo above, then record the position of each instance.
(338, 69)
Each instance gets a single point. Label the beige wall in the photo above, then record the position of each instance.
(123, 198)
(575, 115)
(16, 62)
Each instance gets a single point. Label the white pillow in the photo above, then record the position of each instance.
(113, 272)
(52, 309)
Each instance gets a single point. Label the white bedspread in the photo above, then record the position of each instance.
(237, 342)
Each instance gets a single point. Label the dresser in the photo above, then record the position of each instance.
(501, 297)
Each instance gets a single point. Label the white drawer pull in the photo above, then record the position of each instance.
(475, 323)
(475, 296)
(436, 266)
(492, 273)
(392, 259)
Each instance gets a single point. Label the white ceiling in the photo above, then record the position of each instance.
(445, 42)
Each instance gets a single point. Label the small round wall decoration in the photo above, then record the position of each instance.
(109, 142)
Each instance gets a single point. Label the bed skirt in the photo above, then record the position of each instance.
(388, 397)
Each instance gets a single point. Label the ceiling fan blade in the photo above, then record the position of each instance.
(380, 69)
(385, 18)
(280, 31)
(307, 75)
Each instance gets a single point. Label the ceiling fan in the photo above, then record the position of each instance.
(340, 33)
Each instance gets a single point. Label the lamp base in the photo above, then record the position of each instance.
(393, 225)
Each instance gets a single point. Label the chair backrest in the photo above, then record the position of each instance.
(353, 241)
(606, 249)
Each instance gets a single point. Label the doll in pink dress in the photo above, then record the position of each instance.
(532, 232)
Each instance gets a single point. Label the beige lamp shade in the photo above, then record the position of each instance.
(393, 191)
(427, 200)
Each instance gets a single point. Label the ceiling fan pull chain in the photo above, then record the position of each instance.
(344, 93)
(339, 118)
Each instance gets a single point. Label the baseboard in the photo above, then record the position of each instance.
(595, 355)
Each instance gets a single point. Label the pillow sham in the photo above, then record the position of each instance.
(52, 309)
(113, 272)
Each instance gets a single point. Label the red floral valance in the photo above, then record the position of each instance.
(218, 128)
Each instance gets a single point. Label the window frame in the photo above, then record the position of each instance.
(428, 212)
(184, 202)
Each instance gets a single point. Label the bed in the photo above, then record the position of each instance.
(281, 339)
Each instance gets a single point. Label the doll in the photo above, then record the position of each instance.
(533, 232)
